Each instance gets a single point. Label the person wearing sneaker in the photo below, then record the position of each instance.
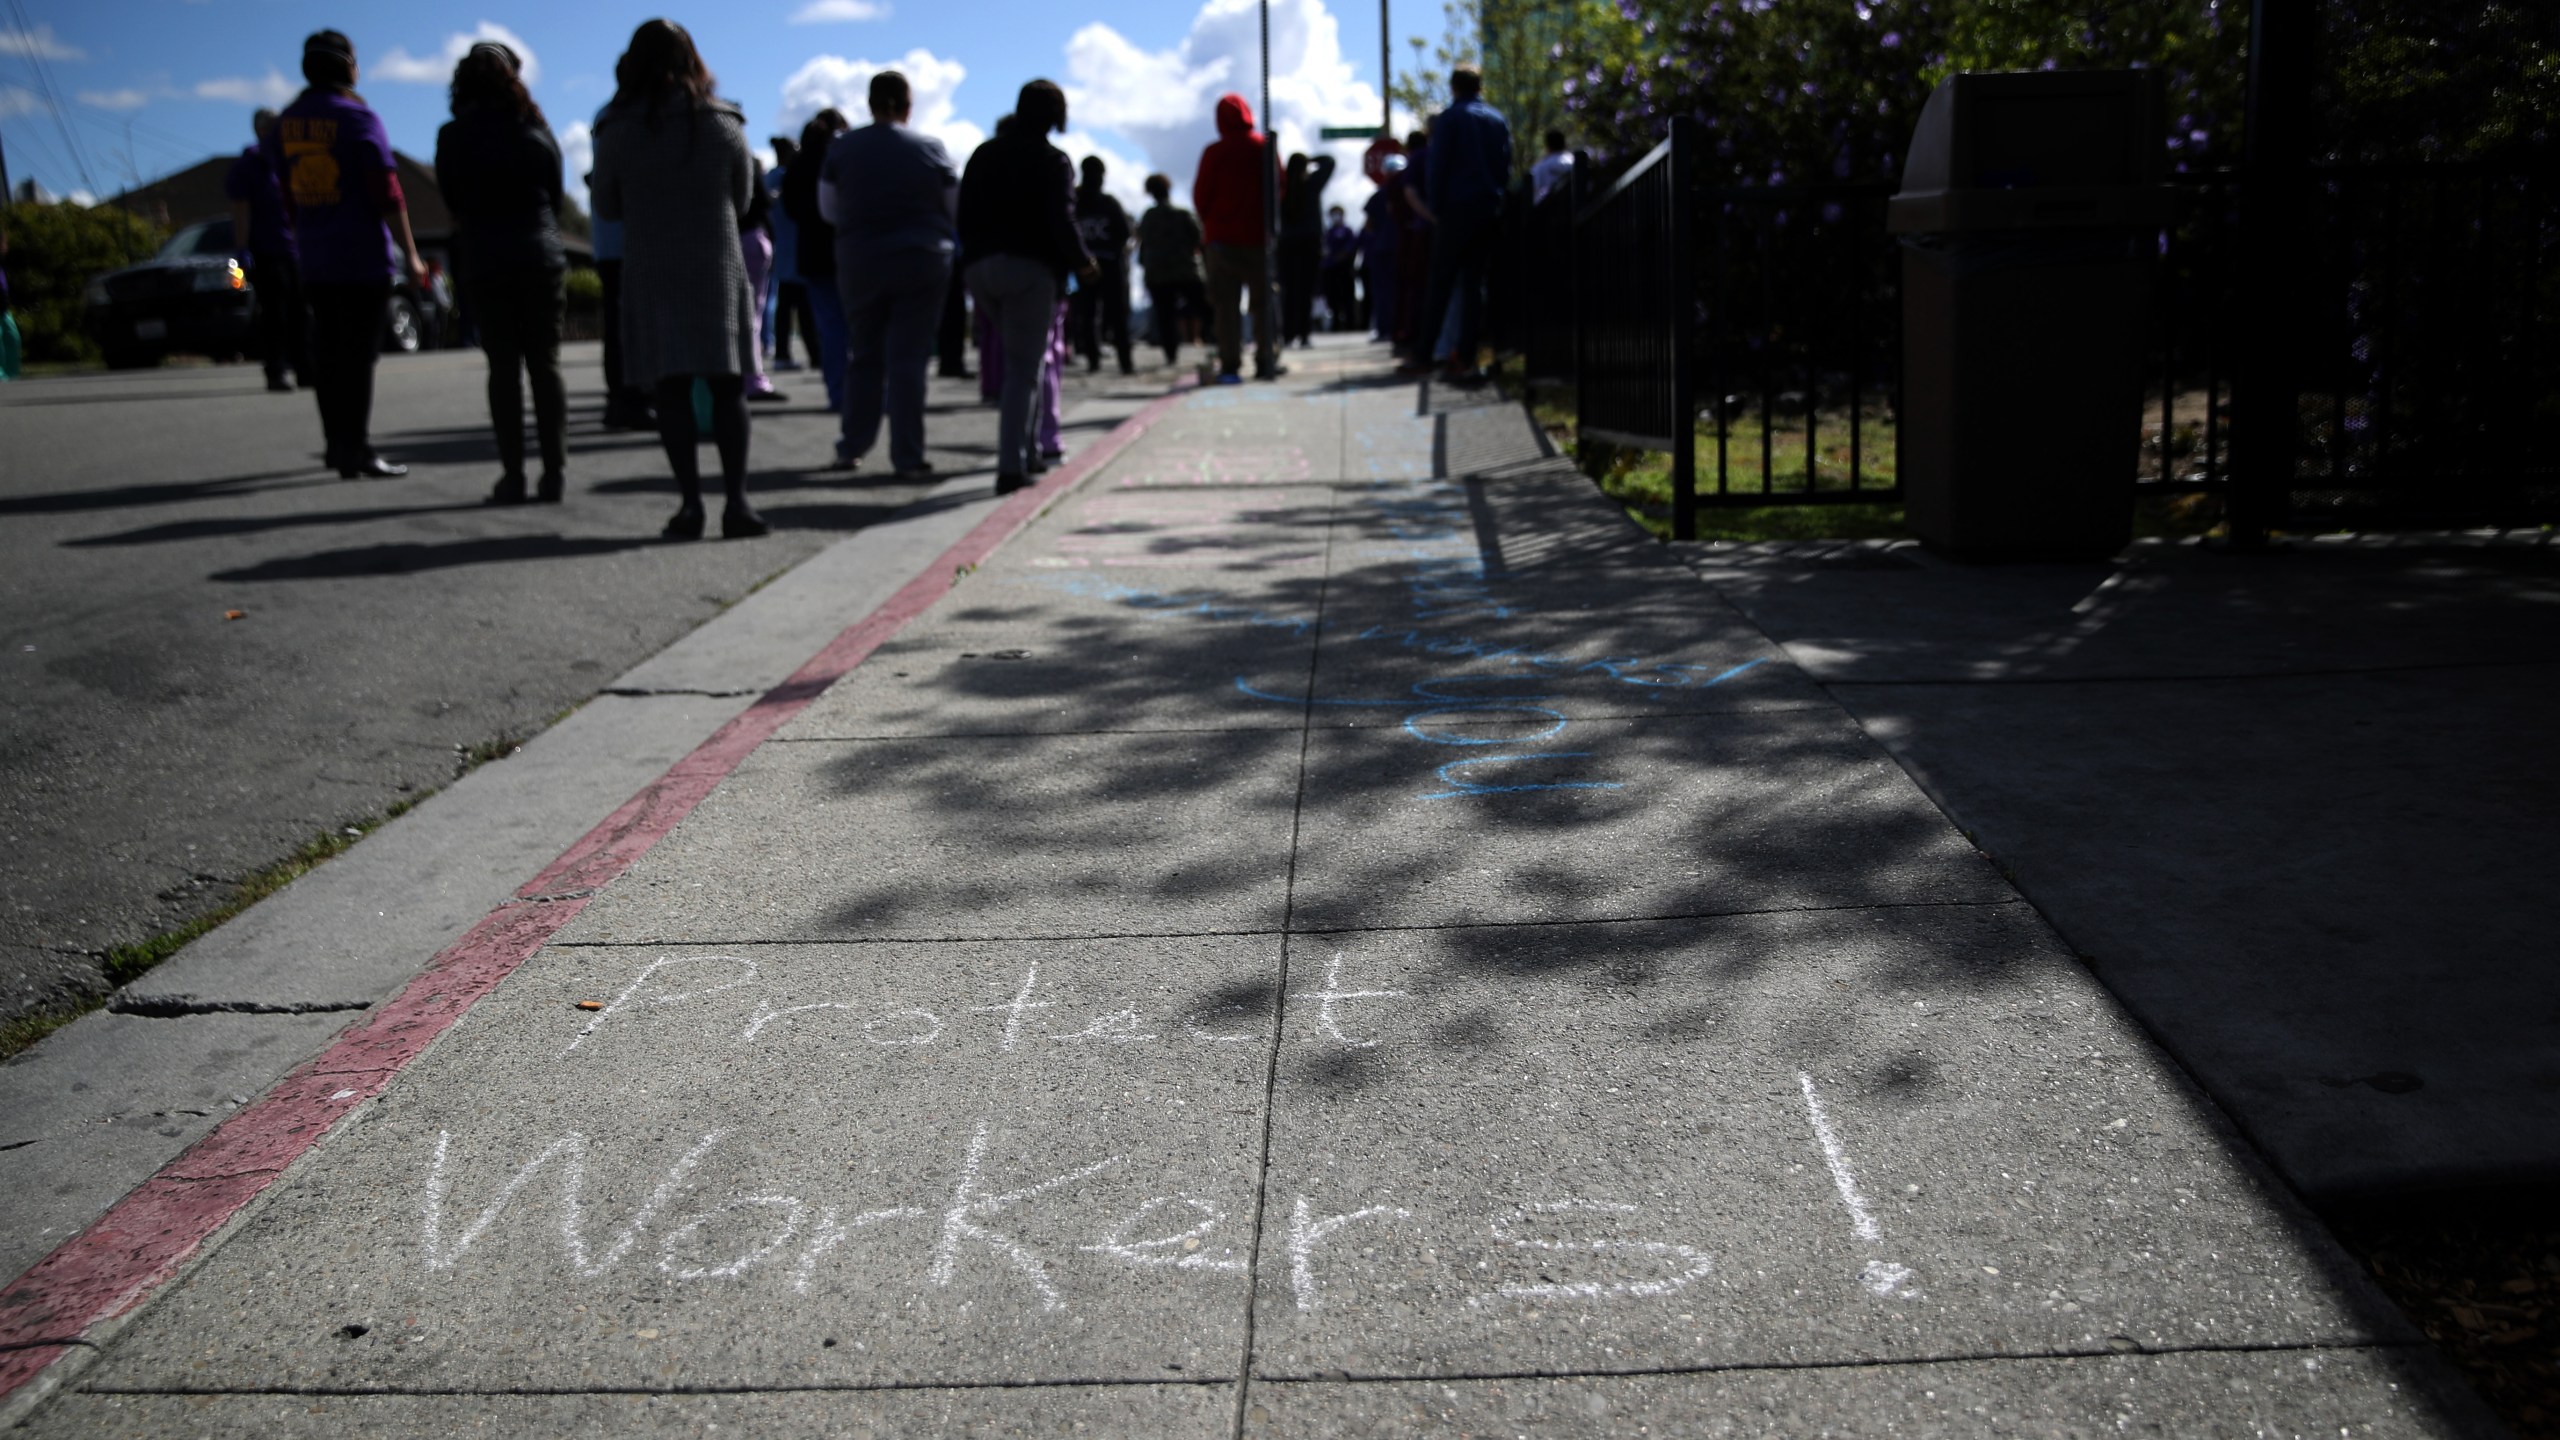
(351, 227)
(1018, 228)
(499, 168)
(672, 165)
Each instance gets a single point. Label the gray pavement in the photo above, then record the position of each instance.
(1344, 962)
(2293, 808)
(100, 1105)
(152, 752)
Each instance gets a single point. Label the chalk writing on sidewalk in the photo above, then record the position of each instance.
(1685, 1263)
(1578, 1248)
(1881, 1276)
(897, 1023)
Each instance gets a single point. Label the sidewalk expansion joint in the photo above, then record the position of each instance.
(2100, 1352)
(2313, 673)
(178, 1007)
(1196, 1382)
(550, 897)
(850, 1387)
(650, 692)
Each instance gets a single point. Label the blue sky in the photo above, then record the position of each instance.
(148, 86)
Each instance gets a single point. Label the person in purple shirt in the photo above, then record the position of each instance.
(264, 240)
(351, 229)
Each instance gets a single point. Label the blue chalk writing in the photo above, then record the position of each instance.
(1461, 786)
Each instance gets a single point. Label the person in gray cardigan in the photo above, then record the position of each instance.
(891, 193)
(672, 164)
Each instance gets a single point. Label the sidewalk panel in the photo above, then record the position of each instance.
(2386, 1394)
(1173, 1411)
(1177, 833)
(1174, 666)
(1762, 1140)
(999, 1163)
(1482, 817)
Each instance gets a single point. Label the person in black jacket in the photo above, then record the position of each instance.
(1018, 232)
(499, 169)
(814, 251)
(1102, 308)
(1301, 245)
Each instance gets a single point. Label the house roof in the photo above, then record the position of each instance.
(186, 196)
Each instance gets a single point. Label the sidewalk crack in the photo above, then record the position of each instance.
(175, 1007)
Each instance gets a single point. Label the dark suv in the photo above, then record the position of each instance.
(194, 299)
(191, 297)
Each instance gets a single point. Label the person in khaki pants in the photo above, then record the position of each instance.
(1228, 193)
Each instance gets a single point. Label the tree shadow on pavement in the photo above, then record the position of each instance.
(175, 492)
(409, 558)
(177, 530)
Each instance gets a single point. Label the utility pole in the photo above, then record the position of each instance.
(1270, 321)
(1386, 77)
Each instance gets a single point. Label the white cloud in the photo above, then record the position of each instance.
(1164, 101)
(271, 90)
(38, 44)
(577, 157)
(82, 198)
(437, 69)
(828, 12)
(19, 100)
(125, 99)
(834, 81)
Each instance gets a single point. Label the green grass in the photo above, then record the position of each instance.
(1641, 479)
(126, 963)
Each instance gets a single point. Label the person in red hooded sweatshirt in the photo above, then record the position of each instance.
(1228, 195)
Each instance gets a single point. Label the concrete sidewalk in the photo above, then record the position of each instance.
(1294, 944)
(2293, 807)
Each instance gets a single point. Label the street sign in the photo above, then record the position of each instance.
(1352, 132)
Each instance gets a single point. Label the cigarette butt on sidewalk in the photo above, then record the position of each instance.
(590, 1004)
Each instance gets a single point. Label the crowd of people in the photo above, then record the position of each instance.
(871, 242)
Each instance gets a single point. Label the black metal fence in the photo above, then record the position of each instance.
(1635, 371)
(1804, 344)
(2421, 356)
(1760, 326)
(1754, 334)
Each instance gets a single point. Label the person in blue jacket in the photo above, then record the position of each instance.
(1465, 182)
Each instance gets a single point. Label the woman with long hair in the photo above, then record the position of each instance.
(672, 165)
(342, 186)
(499, 168)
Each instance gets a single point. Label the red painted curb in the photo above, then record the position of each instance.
(125, 1255)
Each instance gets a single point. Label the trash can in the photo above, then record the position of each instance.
(2029, 214)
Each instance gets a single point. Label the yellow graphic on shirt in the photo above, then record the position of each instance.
(311, 171)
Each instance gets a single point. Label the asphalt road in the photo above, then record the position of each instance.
(152, 751)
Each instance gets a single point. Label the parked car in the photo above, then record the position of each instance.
(193, 298)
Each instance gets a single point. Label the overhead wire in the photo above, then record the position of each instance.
(51, 95)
